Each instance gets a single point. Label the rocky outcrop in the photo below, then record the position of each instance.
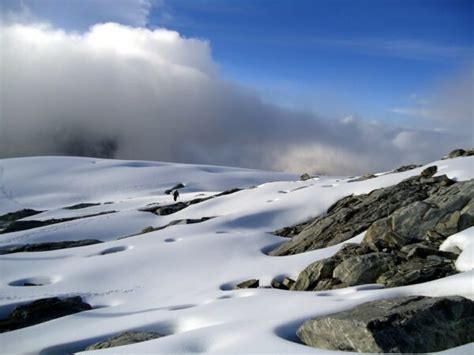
(401, 249)
(47, 246)
(404, 168)
(364, 177)
(124, 339)
(175, 207)
(456, 153)
(353, 215)
(81, 205)
(252, 283)
(20, 225)
(41, 311)
(401, 325)
(8, 218)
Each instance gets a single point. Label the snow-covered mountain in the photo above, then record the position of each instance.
(179, 281)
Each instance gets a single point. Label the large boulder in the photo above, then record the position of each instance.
(404, 325)
(364, 269)
(42, 310)
(124, 339)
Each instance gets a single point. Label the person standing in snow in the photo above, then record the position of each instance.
(175, 195)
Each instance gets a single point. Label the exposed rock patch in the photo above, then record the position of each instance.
(41, 311)
(124, 339)
(8, 218)
(47, 246)
(402, 325)
(81, 205)
(456, 153)
(252, 283)
(404, 168)
(17, 226)
(352, 215)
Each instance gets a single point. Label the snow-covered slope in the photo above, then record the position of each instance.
(178, 281)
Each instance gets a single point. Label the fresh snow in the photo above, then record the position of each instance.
(178, 281)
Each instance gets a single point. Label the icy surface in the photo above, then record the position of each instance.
(178, 281)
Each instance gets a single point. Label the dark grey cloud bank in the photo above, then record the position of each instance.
(134, 93)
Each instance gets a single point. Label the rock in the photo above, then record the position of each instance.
(456, 153)
(305, 177)
(288, 283)
(35, 247)
(175, 187)
(364, 269)
(429, 171)
(16, 226)
(353, 215)
(419, 250)
(41, 311)
(252, 283)
(7, 218)
(363, 177)
(404, 168)
(402, 325)
(448, 211)
(308, 279)
(401, 249)
(81, 205)
(124, 339)
(416, 271)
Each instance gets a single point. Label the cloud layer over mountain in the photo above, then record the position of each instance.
(136, 93)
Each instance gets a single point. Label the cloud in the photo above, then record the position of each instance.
(135, 93)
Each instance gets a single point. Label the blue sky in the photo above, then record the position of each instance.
(336, 57)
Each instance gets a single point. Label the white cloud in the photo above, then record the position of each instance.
(135, 93)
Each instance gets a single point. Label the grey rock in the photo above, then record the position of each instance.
(308, 279)
(353, 215)
(81, 205)
(404, 168)
(124, 339)
(47, 246)
(456, 153)
(7, 218)
(364, 269)
(429, 171)
(363, 177)
(404, 324)
(41, 311)
(446, 212)
(305, 177)
(416, 271)
(19, 225)
(252, 283)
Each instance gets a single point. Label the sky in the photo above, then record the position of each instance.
(334, 86)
